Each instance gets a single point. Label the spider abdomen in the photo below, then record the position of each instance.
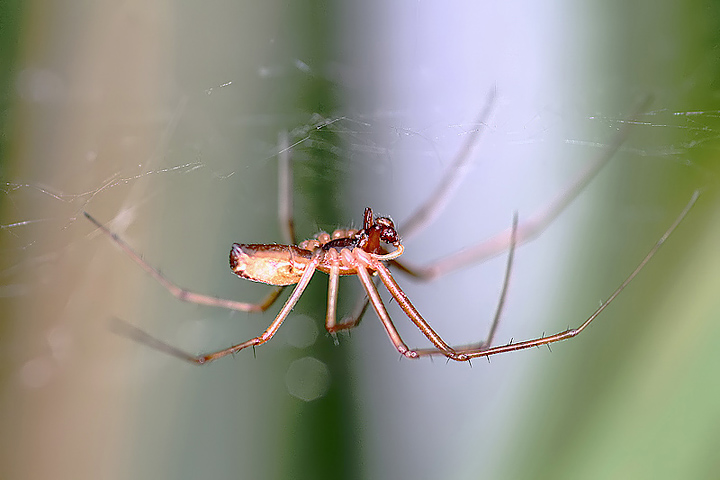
(269, 263)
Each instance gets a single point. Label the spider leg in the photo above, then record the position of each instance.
(433, 206)
(527, 231)
(376, 301)
(181, 293)
(498, 312)
(285, 197)
(354, 320)
(331, 324)
(426, 213)
(357, 317)
(506, 283)
(140, 336)
(533, 227)
(479, 346)
(331, 315)
(485, 351)
(441, 347)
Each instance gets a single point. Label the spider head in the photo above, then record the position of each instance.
(376, 230)
(386, 229)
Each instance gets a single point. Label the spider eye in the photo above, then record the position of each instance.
(385, 222)
(388, 233)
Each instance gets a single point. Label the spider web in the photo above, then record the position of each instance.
(185, 174)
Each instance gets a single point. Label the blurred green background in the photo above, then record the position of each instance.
(163, 120)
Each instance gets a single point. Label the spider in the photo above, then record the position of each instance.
(366, 253)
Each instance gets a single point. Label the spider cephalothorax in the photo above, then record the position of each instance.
(374, 231)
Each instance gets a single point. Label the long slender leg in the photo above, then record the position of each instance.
(484, 351)
(150, 341)
(527, 231)
(331, 314)
(535, 225)
(506, 283)
(181, 293)
(331, 324)
(285, 197)
(376, 301)
(399, 295)
(348, 323)
(355, 319)
(359, 310)
(426, 213)
(501, 303)
(429, 210)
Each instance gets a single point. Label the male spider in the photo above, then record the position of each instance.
(361, 252)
